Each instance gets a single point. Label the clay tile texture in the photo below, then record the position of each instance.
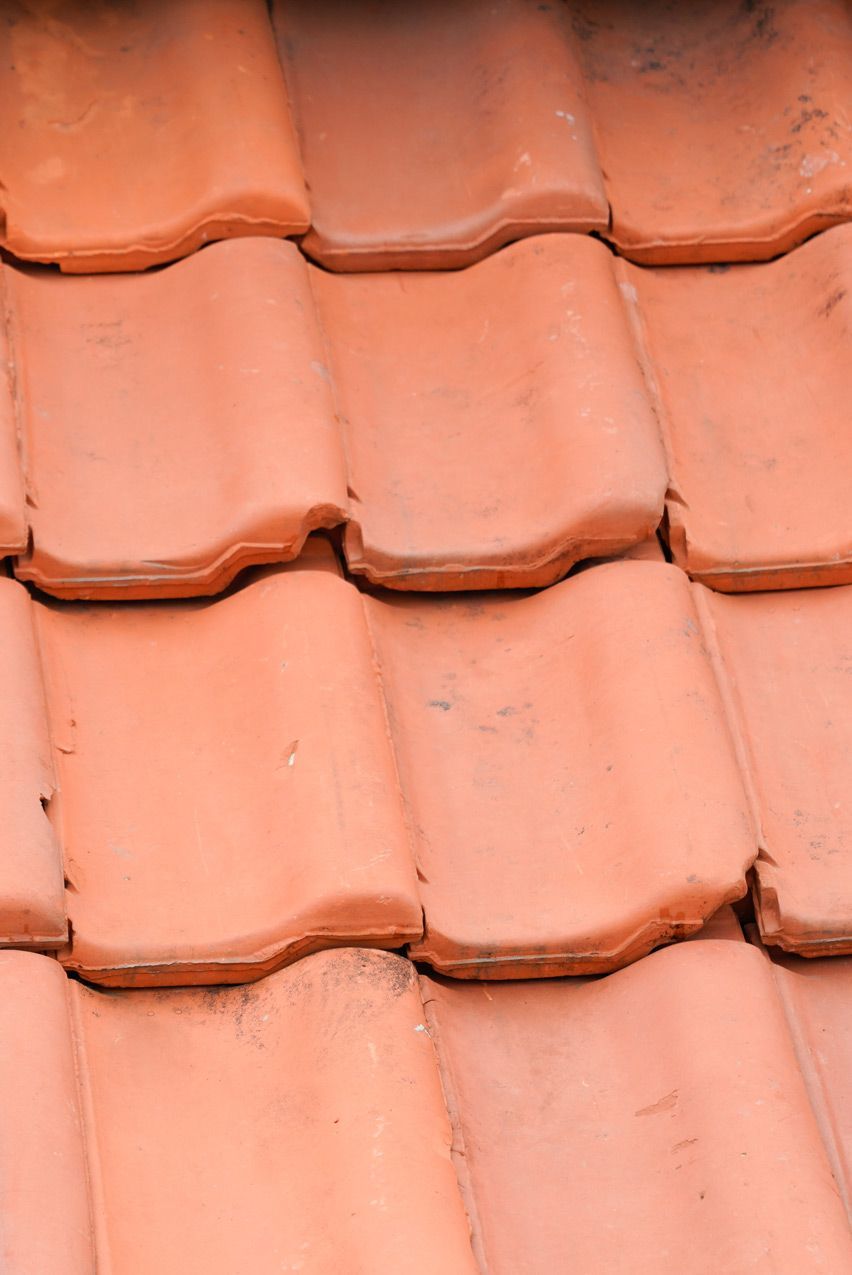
(465, 444)
(299, 1121)
(131, 134)
(788, 665)
(551, 779)
(659, 1112)
(432, 134)
(371, 1120)
(462, 444)
(752, 369)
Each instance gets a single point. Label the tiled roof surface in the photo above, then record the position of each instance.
(427, 135)
(665, 1111)
(439, 563)
(463, 443)
(559, 774)
(438, 423)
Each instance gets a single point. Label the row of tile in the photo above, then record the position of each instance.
(693, 1110)
(403, 135)
(512, 784)
(159, 432)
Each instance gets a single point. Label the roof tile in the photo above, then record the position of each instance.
(485, 446)
(787, 658)
(659, 1111)
(431, 135)
(132, 135)
(567, 768)
(299, 1120)
(754, 374)
(339, 1094)
(229, 797)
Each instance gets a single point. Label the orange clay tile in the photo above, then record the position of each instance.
(242, 781)
(787, 660)
(492, 445)
(567, 769)
(431, 134)
(723, 126)
(295, 1125)
(754, 369)
(485, 446)
(659, 1113)
(175, 426)
(131, 135)
(227, 795)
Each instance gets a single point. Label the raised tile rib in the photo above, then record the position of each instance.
(788, 662)
(817, 996)
(176, 426)
(44, 1179)
(294, 1125)
(658, 1113)
(754, 371)
(492, 444)
(567, 768)
(13, 511)
(159, 463)
(133, 135)
(432, 134)
(229, 797)
(32, 896)
(723, 128)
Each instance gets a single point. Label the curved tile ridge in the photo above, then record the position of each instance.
(32, 892)
(132, 136)
(433, 134)
(486, 445)
(787, 660)
(567, 769)
(299, 1120)
(817, 995)
(696, 1153)
(43, 1131)
(242, 782)
(754, 372)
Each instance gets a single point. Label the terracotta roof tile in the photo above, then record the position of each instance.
(317, 1116)
(131, 135)
(432, 134)
(659, 1111)
(299, 1120)
(567, 768)
(787, 658)
(175, 426)
(486, 446)
(406, 405)
(723, 127)
(130, 138)
(228, 796)
(754, 373)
